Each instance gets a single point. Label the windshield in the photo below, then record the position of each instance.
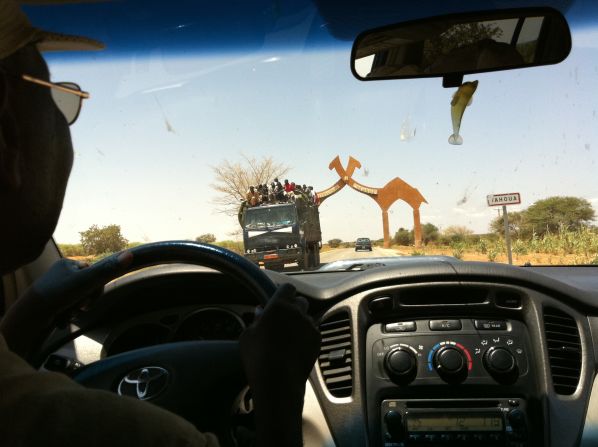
(198, 115)
(269, 217)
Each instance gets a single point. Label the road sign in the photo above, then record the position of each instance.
(512, 198)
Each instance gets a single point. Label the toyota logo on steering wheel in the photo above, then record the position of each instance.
(144, 383)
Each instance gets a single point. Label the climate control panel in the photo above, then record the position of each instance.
(450, 352)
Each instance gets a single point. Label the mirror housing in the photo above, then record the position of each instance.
(453, 45)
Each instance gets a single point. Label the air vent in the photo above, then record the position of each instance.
(336, 355)
(564, 350)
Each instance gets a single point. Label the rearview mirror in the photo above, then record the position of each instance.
(454, 45)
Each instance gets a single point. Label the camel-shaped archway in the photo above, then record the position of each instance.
(387, 195)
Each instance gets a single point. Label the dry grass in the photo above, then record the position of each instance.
(472, 255)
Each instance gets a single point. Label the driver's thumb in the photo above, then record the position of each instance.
(109, 268)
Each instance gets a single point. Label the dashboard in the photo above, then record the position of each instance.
(189, 323)
(436, 353)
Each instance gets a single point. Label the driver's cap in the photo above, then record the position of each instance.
(16, 32)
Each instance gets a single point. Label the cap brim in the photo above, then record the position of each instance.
(48, 41)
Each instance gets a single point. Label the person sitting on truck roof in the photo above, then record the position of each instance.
(287, 186)
(280, 195)
(264, 198)
(305, 193)
(252, 197)
(258, 193)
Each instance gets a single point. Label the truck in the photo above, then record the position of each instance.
(282, 233)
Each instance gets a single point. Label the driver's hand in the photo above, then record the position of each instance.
(69, 283)
(280, 348)
(65, 285)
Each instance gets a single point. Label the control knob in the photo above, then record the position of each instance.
(401, 365)
(501, 365)
(450, 364)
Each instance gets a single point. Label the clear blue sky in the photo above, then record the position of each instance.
(533, 131)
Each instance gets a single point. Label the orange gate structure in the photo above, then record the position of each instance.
(387, 195)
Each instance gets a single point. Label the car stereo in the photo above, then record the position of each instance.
(407, 423)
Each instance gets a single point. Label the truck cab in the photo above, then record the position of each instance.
(284, 233)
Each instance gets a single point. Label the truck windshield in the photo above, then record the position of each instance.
(264, 218)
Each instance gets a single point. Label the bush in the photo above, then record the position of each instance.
(520, 247)
(334, 243)
(494, 249)
(236, 246)
(483, 246)
(455, 234)
(348, 244)
(69, 250)
(207, 238)
(492, 254)
(97, 240)
(458, 249)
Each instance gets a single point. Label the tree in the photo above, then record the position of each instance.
(549, 215)
(334, 243)
(207, 238)
(97, 240)
(517, 225)
(458, 36)
(556, 214)
(430, 233)
(403, 237)
(233, 179)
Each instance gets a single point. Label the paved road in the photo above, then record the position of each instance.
(339, 254)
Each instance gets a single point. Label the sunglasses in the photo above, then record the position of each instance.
(68, 96)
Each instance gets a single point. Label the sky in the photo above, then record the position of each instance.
(157, 121)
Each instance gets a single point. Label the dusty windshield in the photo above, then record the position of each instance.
(263, 218)
(206, 123)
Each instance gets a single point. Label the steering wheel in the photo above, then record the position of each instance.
(198, 380)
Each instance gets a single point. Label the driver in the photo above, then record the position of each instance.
(44, 408)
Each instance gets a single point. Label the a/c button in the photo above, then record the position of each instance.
(445, 325)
